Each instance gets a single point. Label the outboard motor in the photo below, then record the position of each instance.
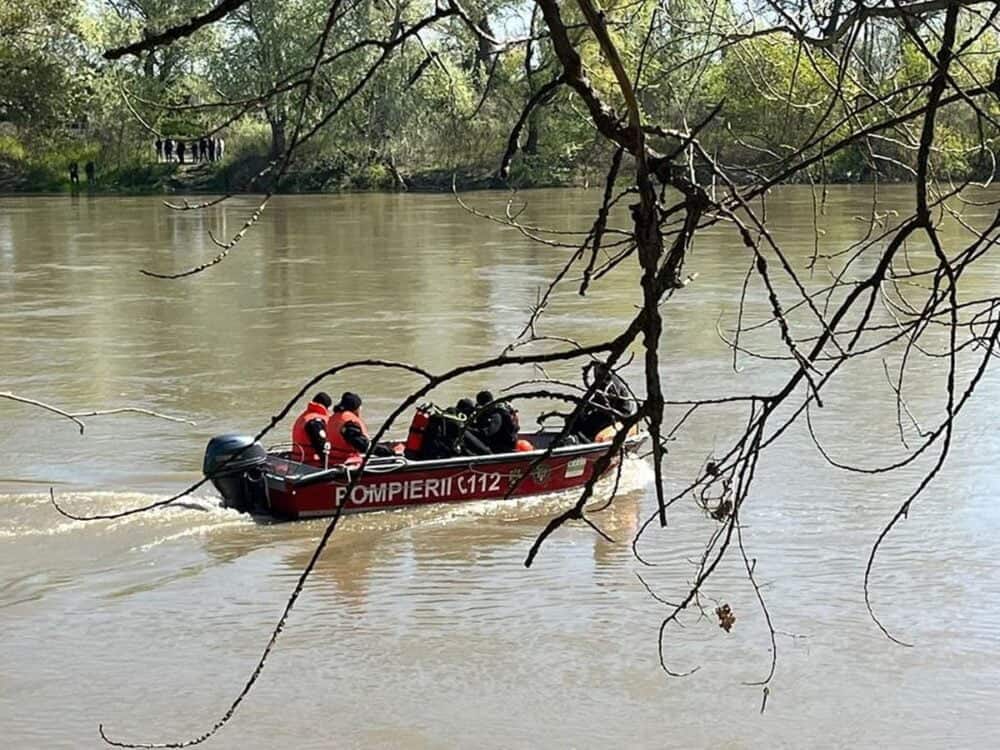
(235, 465)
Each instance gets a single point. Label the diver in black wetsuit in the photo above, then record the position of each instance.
(610, 401)
(497, 423)
(448, 434)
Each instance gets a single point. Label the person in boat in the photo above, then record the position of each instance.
(309, 441)
(471, 440)
(442, 437)
(465, 407)
(610, 401)
(445, 433)
(348, 433)
(496, 423)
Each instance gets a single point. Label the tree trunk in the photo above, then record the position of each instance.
(486, 48)
(531, 141)
(279, 138)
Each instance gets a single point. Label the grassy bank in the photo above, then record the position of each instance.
(47, 171)
(51, 175)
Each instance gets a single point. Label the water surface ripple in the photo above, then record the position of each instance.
(423, 629)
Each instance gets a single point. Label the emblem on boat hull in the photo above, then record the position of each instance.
(540, 474)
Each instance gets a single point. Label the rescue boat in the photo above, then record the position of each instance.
(271, 483)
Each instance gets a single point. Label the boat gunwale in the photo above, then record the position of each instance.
(337, 472)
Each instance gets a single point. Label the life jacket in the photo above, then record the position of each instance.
(608, 433)
(302, 447)
(418, 430)
(340, 450)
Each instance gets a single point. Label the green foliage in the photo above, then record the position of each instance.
(137, 177)
(774, 98)
(423, 115)
(11, 149)
(535, 171)
(373, 177)
(43, 76)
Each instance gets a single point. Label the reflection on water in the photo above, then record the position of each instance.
(423, 628)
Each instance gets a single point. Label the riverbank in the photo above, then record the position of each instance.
(238, 176)
(46, 171)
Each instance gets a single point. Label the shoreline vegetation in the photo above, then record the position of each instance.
(466, 106)
(48, 172)
(233, 177)
(463, 104)
(45, 177)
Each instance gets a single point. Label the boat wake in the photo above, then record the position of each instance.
(32, 515)
(636, 476)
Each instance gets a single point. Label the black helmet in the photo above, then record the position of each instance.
(349, 402)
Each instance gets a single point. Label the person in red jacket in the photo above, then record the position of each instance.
(309, 437)
(348, 434)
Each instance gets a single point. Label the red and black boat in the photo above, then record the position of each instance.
(271, 483)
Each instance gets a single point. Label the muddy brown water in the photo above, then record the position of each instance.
(423, 628)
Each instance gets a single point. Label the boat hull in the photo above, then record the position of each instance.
(287, 489)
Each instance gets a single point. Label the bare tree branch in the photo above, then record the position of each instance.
(152, 41)
(77, 416)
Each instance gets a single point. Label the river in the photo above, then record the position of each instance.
(423, 629)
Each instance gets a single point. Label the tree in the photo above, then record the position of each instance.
(39, 58)
(262, 48)
(162, 67)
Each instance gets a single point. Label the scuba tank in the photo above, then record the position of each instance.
(418, 428)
